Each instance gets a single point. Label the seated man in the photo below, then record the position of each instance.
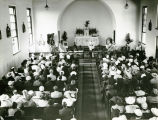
(51, 112)
(56, 95)
(65, 112)
(153, 98)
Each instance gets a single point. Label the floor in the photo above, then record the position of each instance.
(91, 105)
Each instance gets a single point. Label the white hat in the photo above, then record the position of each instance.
(17, 78)
(155, 91)
(154, 111)
(47, 63)
(120, 59)
(138, 112)
(73, 119)
(117, 62)
(41, 88)
(42, 66)
(129, 64)
(144, 105)
(143, 75)
(73, 73)
(154, 74)
(34, 67)
(9, 74)
(131, 108)
(123, 57)
(130, 60)
(142, 66)
(130, 100)
(115, 118)
(141, 100)
(145, 61)
(4, 97)
(153, 118)
(31, 92)
(140, 93)
(122, 117)
(118, 72)
(61, 72)
(28, 78)
(51, 71)
(10, 83)
(36, 73)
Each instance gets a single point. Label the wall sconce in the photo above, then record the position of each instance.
(23, 28)
(46, 6)
(126, 5)
(8, 31)
(150, 26)
(0, 35)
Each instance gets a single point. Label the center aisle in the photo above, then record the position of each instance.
(90, 97)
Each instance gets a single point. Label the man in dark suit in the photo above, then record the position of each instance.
(65, 112)
(51, 112)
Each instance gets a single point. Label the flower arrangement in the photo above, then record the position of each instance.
(79, 31)
(92, 31)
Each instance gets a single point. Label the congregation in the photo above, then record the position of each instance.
(130, 84)
(48, 82)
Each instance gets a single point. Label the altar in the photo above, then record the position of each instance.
(87, 36)
(86, 40)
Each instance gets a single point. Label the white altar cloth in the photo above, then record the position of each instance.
(86, 40)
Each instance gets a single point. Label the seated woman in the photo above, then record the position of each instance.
(153, 98)
(154, 80)
(5, 101)
(13, 109)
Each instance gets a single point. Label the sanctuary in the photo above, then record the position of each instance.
(87, 36)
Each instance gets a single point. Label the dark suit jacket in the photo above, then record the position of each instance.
(51, 113)
(65, 113)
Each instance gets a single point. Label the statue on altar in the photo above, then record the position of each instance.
(87, 31)
(87, 23)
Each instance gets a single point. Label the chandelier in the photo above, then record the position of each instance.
(126, 5)
(46, 6)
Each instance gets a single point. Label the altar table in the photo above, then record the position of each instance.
(86, 40)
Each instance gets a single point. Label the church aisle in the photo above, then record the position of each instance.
(90, 98)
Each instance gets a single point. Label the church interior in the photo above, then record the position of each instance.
(79, 60)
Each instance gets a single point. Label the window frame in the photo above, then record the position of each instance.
(29, 23)
(15, 29)
(144, 30)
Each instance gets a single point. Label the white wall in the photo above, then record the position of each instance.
(45, 20)
(127, 20)
(79, 11)
(7, 59)
(150, 35)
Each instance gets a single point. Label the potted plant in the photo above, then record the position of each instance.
(64, 36)
(79, 31)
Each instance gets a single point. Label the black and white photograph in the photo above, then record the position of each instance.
(79, 60)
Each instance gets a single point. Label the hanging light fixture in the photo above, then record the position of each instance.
(126, 5)
(46, 6)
